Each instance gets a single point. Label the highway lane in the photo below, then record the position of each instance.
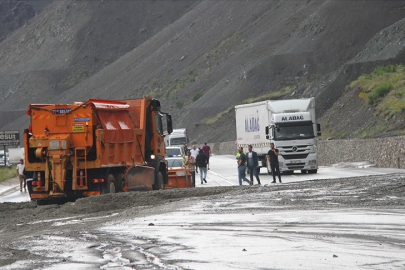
(13, 194)
(223, 172)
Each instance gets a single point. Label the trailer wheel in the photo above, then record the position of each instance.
(312, 171)
(159, 181)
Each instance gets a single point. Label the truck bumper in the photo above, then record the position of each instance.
(309, 163)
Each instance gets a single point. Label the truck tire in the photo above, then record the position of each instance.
(41, 202)
(159, 183)
(119, 182)
(109, 187)
(312, 171)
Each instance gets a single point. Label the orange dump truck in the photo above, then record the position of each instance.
(95, 147)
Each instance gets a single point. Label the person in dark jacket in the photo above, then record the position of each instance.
(272, 157)
(252, 164)
(202, 162)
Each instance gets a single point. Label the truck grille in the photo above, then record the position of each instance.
(296, 156)
(296, 166)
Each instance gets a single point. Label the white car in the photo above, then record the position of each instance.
(175, 162)
(175, 151)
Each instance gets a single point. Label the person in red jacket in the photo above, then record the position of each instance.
(207, 151)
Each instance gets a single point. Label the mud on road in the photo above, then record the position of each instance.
(22, 221)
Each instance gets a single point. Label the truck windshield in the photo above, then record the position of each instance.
(178, 141)
(294, 131)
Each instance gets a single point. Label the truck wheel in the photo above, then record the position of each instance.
(159, 183)
(303, 171)
(41, 202)
(119, 182)
(110, 185)
(312, 171)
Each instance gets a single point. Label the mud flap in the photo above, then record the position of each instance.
(139, 178)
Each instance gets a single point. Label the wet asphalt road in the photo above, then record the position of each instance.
(340, 223)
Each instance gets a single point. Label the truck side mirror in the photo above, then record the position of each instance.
(267, 133)
(318, 129)
(169, 124)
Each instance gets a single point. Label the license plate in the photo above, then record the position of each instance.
(295, 161)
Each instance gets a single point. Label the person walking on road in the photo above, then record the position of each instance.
(242, 167)
(194, 153)
(207, 151)
(190, 166)
(272, 157)
(202, 162)
(253, 164)
(21, 174)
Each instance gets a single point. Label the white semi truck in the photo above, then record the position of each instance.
(289, 124)
(177, 138)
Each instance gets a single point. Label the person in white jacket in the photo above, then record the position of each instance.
(21, 176)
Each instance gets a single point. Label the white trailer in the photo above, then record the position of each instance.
(177, 138)
(289, 124)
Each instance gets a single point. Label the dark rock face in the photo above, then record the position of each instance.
(200, 58)
(13, 15)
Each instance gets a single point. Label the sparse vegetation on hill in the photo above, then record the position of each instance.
(384, 88)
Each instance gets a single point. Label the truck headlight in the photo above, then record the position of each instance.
(152, 157)
(312, 162)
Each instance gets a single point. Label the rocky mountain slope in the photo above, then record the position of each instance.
(201, 58)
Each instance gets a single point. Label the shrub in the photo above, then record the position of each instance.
(380, 90)
(197, 96)
(179, 104)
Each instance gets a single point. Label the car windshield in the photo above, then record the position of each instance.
(175, 162)
(294, 131)
(178, 141)
(173, 152)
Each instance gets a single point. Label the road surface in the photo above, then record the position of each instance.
(341, 223)
(223, 172)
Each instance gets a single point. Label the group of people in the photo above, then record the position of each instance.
(250, 161)
(198, 159)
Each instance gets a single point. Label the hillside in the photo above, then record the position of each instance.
(201, 58)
